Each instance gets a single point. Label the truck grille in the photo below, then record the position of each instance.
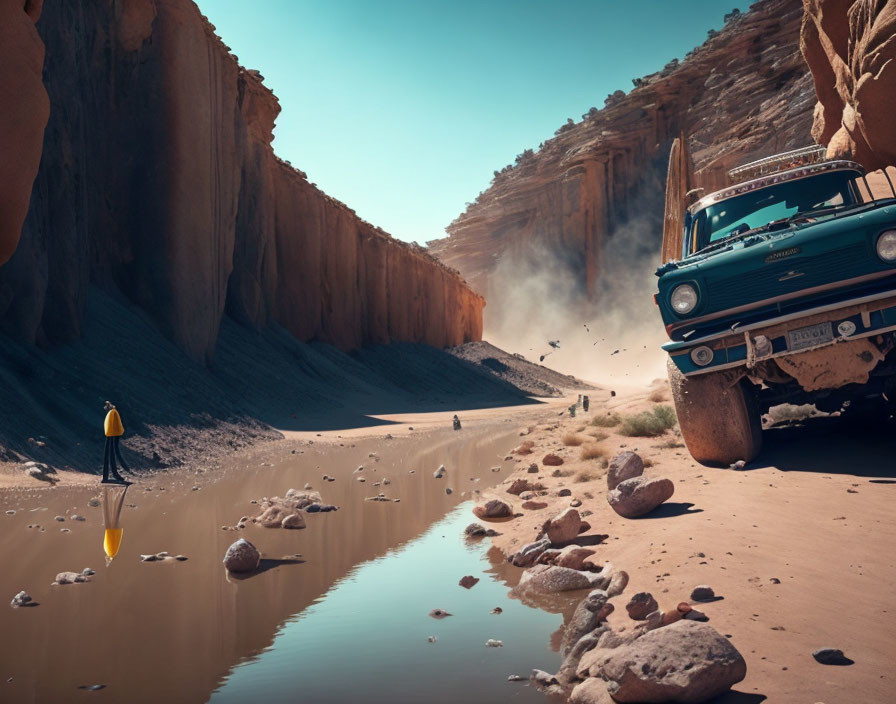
(763, 283)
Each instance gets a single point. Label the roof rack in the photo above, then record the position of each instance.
(778, 162)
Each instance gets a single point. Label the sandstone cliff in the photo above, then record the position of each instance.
(23, 117)
(743, 94)
(159, 184)
(850, 46)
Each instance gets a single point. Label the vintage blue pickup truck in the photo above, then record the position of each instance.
(781, 289)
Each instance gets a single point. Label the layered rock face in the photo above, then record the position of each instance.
(158, 181)
(23, 117)
(744, 94)
(850, 48)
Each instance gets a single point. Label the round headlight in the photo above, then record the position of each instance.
(684, 298)
(886, 246)
(701, 356)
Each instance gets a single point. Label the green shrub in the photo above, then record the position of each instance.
(648, 424)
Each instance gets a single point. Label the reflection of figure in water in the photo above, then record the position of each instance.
(456, 421)
(114, 430)
(113, 502)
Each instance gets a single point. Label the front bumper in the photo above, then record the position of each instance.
(871, 315)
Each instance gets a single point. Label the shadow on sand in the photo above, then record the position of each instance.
(671, 509)
(267, 563)
(830, 445)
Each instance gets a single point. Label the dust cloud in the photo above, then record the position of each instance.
(540, 295)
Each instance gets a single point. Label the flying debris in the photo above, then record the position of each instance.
(614, 352)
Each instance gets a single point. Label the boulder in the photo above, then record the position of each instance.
(552, 460)
(492, 509)
(529, 553)
(563, 527)
(640, 605)
(550, 579)
(638, 496)
(70, 578)
(625, 465)
(468, 581)
(831, 656)
(573, 556)
(591, 691)
(686, 662)
(242, 556)
(589, 614)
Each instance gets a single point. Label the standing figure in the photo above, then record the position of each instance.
(114, 430)
(456, 421)
(585, 403)
(572, 411)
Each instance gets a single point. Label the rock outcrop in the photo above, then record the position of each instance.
(743, 94)
(158, 181)
(24, 115)
(850, 50)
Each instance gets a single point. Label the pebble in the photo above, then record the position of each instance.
(431, 639)
(703, 593)
(76, 517)
(448, 490)
(492, 643)
(515, 678)
(10, 513)
(831, 656)
(497, 610)
(22, 599)
(59, 518)
(93, 503)
(439, 613)
(440, 472)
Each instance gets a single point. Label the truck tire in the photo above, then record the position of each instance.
(718, 417)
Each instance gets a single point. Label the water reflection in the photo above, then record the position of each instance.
(113, 502)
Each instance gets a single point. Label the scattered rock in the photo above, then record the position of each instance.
(739, 465)
(293, 521)
(492, 643)
(497, 610)
(640, 605)
(93, 503)
(76, 517)
(87, 572)
(563, 527)
(22, 599)
(439, 613)
(242, 556)
(703, 593)
(684, 662)
(59, 518)
(564, 492)
(573, 556)
(70, 578)
(10, 513)
(831, 656)
(552, 460)
(625, 465)
(307, 486)
(533, 468)
(468, 581)
(431, 639)
(588, 615)
(518, 486)
(440, 472)
(638, 496)
(515, 678)
(449, 490)
(540, 678)
(529, 553)
(492, 509)
(534, 505)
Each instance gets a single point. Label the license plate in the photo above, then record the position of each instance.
(810, 336)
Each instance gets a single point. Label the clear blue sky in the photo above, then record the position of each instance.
(403, 109)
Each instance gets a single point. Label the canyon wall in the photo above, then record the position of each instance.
(23, 117)
(850, 46)
(743, 94)
(158, 183)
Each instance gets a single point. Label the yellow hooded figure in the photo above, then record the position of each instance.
(113, 502)
(114, 429)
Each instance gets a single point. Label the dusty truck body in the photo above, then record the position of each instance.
(783, 290)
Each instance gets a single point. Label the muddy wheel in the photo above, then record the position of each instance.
(717, 415)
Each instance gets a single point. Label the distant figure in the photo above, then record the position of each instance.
(114, 430)
(579, 400)
(585, 403)
(456, 421)
(572, 411)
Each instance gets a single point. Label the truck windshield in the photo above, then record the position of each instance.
(765, 205)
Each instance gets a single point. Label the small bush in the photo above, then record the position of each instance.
(585, 475)
(592, 451)
(649, 423)
(608, 421)
(658, 396)
(648, 463)
(573, 439)
(598, 435)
